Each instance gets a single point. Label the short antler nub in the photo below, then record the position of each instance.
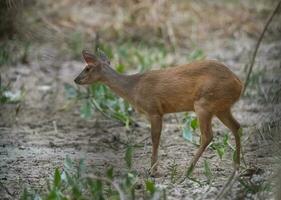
(102, 56)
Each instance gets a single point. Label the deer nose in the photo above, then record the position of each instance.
(76, 80)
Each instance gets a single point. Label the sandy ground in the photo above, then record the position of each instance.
(36, 139)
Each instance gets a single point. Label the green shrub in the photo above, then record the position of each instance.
(74, 182)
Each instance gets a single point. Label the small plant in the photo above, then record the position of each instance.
(4, 54)
(73, 182)
(7, 96)
(129, 156)
(154, 191)
(255, 185)
(13, 51)
(98, 98)
(207, 172)
(173, 171)
(197, 54)
(141, 56)
(221, 145)
(190, 124)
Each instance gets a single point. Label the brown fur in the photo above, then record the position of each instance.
(207, 87)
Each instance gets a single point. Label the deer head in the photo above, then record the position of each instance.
(93, 70)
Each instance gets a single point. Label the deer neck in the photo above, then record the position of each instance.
(122, 85)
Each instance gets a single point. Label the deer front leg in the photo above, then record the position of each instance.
(156, 127)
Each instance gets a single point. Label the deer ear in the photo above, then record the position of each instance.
(103, 56)
(89, 57)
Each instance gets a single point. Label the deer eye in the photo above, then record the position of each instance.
(87, 69)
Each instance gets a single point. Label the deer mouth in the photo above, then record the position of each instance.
(77, 81)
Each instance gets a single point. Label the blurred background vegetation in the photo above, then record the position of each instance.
(151, 27)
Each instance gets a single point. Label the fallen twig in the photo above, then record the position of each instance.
(49, 23)
(228, 185)
(112, 182)
(258, 45)
(6, 189)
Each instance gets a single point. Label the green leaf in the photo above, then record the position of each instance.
(12, 96)
(196, 55)
(194, 124)
(3, 99)
(187, 133)
(53, 195)
(120, 68)
(86, 110)
(130, 180)
(97, 105)
(106, 49)
(25, 195)
(37, 197)
(190, 125)
(127, 124)
(120, 116)
(70, 91)
(150, 186)
(76, 192)
(128, 156)
(207, 171)
(81, 168)
(225, 139)
(57, 178)
(68, 165)
(109, 173)
(97, 189)
(220, 151)
(70, 179)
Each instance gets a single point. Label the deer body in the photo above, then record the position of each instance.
(177, 89)
(207, 87)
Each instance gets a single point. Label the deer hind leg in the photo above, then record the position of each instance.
(228, 120)
(156, 127)
(205, 120)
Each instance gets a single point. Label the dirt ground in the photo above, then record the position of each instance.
(37, 134)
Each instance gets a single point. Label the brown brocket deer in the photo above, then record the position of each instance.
(208, 88)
